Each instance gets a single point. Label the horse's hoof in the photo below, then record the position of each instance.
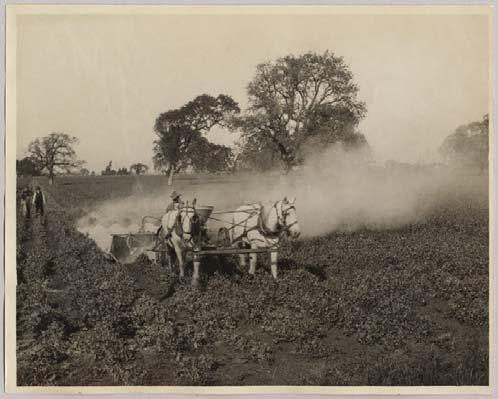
(195, 283)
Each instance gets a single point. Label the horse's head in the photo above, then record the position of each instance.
(190, 220)
(287, 217)
(184, 221)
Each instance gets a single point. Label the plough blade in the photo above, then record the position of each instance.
(126, 248)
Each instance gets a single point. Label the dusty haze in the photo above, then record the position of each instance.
(334, 191)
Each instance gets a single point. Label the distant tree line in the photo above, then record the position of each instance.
(54, 154)
(468, 145)
(136, 168)
(109, 171)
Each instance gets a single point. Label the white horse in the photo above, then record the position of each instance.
(260, 226)
(181, 230)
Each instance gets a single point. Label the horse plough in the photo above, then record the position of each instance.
(126, 248)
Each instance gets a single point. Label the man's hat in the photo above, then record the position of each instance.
(175, 195)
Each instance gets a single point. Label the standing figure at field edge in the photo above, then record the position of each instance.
(176, 202)
(26, 202)
(39, 202)
(29, 197)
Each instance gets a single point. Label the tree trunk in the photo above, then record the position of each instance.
(287, 157)
(51, 179)
(170, 176)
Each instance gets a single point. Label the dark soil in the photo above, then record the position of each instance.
(406, 306)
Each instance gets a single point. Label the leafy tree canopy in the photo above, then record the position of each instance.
(210, 157)
(26, 167)
(299, 101)
(180, 131)
(139, 168)
(468, 145)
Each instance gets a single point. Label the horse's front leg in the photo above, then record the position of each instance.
(181, 259)
(273, 262)
(253, 260)
(160, 258)
(197, 265)
(242, 257)
(243, 260)
(170, 260)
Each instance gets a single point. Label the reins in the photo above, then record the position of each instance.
(260, 226)
(180, 219)
(281, 220)
(282, 227)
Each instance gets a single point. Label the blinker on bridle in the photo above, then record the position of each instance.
(281, 219)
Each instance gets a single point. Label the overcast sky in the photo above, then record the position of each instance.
(104, 79)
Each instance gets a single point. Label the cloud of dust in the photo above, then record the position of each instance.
(336, 190)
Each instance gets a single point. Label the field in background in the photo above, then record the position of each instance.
(405, 304)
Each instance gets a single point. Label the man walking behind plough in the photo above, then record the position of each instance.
(39, 202)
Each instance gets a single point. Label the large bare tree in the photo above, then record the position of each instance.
(54, 154)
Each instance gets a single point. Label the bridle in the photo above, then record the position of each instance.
(282, 216)
(189, 214)
(186, 215)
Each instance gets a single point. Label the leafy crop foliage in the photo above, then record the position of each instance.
(406, 306)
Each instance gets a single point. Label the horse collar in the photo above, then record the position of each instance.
(262, 227)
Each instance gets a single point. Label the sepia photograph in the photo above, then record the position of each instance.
(217, 197)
